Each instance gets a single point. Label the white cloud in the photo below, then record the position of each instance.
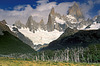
(99, 12)
(22, 12)
(86, 7)
(42, 1)
(62, 8)
(46, 6)
(96, 1)
(12, 16)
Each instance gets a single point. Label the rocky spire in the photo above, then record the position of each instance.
(3, 22)
(18, 24)
(50, 24)
(32, 24)
(52, 11)
(75, 11)
(4, 27)
(29, 21)
(42, 25)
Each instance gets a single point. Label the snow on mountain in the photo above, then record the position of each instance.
(60, 21)
(70, 17)
(40, 36)
(94, 26)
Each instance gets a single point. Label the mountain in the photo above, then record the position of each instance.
(76, 12)
(19, 25)
(32, 24)
(50, 24)
(4, 27)
(3, 22)
(42, 25)
(22, 37)
(95, 25)
(41, 33)
(9, 43)
(73, 38)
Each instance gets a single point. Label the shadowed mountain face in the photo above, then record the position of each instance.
(9, 43)
(22, 37)
(81, 38)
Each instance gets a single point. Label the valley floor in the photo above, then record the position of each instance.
(12, 62)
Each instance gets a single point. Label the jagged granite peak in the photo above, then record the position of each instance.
(75, 11)
(30, 20)
(50, 23)
(42, 25)
(4, 27)
(32, 24)
(18, 24)
(3, 22)
(52, 11)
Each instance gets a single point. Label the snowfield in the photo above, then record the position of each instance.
(94, 26)
(40, 36)
(60, 21)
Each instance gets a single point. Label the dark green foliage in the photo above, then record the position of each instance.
(11, 44)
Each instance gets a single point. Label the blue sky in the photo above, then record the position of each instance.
(13, 10)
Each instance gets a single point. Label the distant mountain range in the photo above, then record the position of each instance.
(39, 34)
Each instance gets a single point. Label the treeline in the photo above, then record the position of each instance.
(89, 54)
(79, 54)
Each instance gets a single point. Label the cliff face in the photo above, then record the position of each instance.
(31, 24)
(42, 25)
(76, 12)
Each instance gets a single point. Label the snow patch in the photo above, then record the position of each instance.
(94, 26)
(71, 17)
(60, 21)
(40, 36)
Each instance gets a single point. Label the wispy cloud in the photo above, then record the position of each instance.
(86, 7)
(22, 12)
(99, 12)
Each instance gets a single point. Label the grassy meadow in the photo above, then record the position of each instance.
(12, 62)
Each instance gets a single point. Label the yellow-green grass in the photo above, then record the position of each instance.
(13, 62)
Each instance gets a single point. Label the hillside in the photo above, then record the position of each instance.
(82, 38)
(11, 44)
